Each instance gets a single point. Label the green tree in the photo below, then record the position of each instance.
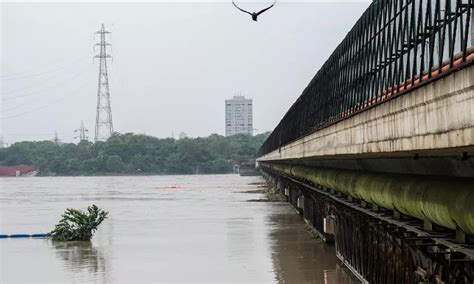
(77, 225)
(132, 153)
(115, 164)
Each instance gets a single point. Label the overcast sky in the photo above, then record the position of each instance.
(174, 63)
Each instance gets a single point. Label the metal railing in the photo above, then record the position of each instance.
(396, 46)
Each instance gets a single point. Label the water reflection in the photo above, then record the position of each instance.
(80, 256)
(298, 257)
(343, 275)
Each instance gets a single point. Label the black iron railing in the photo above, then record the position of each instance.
(396, 45)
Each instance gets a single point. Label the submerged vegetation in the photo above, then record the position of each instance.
(77, 225)
(135, 154)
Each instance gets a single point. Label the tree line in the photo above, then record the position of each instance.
(135, 154)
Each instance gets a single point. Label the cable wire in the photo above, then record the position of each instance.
(47, 105)
(44, 88)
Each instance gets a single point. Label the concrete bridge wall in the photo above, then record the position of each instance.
(438, 117)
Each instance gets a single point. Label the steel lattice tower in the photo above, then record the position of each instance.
(82, 133)
(103, 120)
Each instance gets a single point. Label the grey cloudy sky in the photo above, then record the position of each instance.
(174, 63)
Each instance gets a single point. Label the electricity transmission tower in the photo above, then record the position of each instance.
(82, 133)
(56, 139)
(103, 120)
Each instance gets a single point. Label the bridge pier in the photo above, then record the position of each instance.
(377, 244)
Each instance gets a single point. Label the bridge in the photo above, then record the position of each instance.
(377, 153)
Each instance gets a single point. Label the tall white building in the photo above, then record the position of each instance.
(238, 116)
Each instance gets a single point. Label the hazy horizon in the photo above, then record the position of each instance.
(174, 63)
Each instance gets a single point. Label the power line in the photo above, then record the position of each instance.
(27, 103)
(47, 65)
(42, 87)
(28, 134)
(39, 74)
(45, 106)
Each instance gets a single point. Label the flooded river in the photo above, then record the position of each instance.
(202, 231)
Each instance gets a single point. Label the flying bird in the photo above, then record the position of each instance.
(253, 14)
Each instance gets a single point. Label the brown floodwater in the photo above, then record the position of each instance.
(203, 231)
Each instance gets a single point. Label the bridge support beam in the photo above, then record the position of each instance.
(443, 201)
(377, 248)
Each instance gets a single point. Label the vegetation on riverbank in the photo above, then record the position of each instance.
(135, 154)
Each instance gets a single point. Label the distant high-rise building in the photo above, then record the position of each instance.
(238, 116)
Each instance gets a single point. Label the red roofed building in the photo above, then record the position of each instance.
(20, 170)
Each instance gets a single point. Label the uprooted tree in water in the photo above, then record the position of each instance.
(77, 225)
